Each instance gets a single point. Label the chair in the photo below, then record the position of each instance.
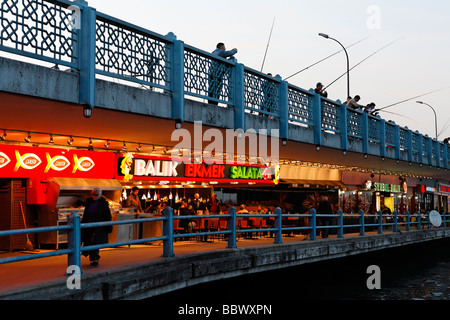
(176, 227)
(213, 225)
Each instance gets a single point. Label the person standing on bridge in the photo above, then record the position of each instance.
(354, 103)
(325, 209)
(218, 71)
(320, 90)
(96, 210)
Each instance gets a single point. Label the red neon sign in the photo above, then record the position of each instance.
(28, 162)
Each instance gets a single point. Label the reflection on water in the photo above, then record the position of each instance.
(416, 272)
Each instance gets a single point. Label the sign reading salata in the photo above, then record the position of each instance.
(27, 162)
(139, 167)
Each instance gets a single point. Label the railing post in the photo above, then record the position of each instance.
(397, 142)
(445, 146)
(341, 224)
(74, 241)
(428, 220)
(168, 231)
(380, 222)
(395, 229)
(283, 108)
(177, 79)
(86, 54)
(408, 221)
(383, 138)
(444, 219)
(438, 153)
(317, 118)
(278, 225)
(365, 133)
(361, 222)
(312, 212)
(343, 126)
(239, 96)
(232, 228)
(430, 151)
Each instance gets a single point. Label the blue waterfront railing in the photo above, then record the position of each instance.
(310, 226)
(77, 36)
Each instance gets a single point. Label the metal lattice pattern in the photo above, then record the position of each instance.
(131, 55)
(374, 129)
(205, 77)
(390, 135)
(425, 147)
(415, 143)
(331, 116)
(261, 94)
(300, 109)
(38, 29)
(354, 120)
(403, 139)
(433, 149)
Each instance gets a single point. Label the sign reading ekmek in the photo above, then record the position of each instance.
(139, 167)
(28, 162)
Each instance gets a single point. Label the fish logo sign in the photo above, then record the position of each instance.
(28, 161)
(4, 160)
(58, 163)
(83, 164)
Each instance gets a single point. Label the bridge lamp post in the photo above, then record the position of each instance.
(435, 117)
(348, 62)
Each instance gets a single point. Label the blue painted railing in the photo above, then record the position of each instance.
(77, 36)
(75, 249)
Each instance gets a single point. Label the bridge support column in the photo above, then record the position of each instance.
(177, 80)
(361, 222)
(380, 222)
(408, 221)
(239, 97)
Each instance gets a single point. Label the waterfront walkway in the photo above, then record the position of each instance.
(33, 273)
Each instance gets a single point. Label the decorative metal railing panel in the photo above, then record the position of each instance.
(131, 55)
(390, 135)
(331, 118)
(207, 77)
(300, 107)
(374, 129)
(38, 29)
(415, 143)
(354, 120)
(261, 94)
(403, 139)
(425, 147)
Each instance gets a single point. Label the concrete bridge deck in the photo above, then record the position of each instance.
(139, 272)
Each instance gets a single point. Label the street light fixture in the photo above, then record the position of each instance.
(435, 117)
(348, 62)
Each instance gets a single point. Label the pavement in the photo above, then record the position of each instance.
(32, 273)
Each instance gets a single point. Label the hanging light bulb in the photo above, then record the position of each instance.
(28, 139)
(70, 141)
(124, 148)
(107, 144)
(149, 195)
(3, 137)
(51, 140)
(139, 148)
(154, 149)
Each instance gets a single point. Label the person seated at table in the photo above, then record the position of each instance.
(242, 209)
(187, 210)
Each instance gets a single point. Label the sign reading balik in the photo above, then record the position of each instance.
(140, 167)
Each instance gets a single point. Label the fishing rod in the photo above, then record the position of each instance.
(267, 47)
(362, 62)
(394, 104)
(326, 58)
(397, 114)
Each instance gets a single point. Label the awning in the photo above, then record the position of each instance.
(302, 175)
(87, 184)
(312, 183)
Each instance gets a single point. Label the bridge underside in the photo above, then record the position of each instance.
(25, 113)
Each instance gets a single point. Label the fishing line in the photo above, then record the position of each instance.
(267, 47)
(362, 61)
(326, 58)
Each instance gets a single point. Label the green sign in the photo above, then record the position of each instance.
(385, 187)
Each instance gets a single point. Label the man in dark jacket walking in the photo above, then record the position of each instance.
(96, 210)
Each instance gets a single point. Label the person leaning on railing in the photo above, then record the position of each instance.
(218, 71)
